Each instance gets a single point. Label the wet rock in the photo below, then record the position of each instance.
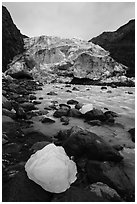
(72, 102)
(40, 98)
(113, 86)
(78, 106)
(69, 91)
(38, 146)
(48, 120)
(103, 87)
(32, 97)
(113, 175)
(132, 134)
(109, 91)
(28, 106)
(36, 136)
(86, 108)
(64, 106)
(64, 119)
(75, 194)
(52, 93)
(11, 148)
(8, 113)
(36, 102)
(81, 142)
(74, 113)
(75, 89)
(94, 122)
(22, 189)
(105, 191)
(95, 114)
(60, 112)
(6, 104)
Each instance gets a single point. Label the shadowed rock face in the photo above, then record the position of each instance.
(120, 44)
(12, 39)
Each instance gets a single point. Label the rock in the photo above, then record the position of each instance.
(48, 120)
(113, 175)
(72, 102)
(86, 108)
(130, 92)
(113, 86)
(64, 106)
(6, 104)
(113, 114)
(11, 148)
(95, 114)
(32, 97)
(104, 191)
(76, 194)
(20, 113)
(60, 112)
(36, 102)
(78, 106)
(103, 87)
(22, 189)
(36, 136)
(94, 122)
(6, 119)
(4, 141)
(69, 91)
(38, 146)
(65, 123)
(75, 89)
(64, 119)
(28, 106)
(74, 113)
(109, 91)
(52, 93)
(40, 98)
(8, 113)
(18, 73)
(67, 85)
(80, 142)
(118, 147)
(132, 133)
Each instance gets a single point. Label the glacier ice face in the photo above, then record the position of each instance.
(52, 169)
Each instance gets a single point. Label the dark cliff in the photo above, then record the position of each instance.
(12, 40)
(120, 44)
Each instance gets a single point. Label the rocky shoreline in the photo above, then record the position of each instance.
(101, 175)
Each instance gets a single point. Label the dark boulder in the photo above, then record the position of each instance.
(113, 175)
(74, 113)
(79, 142)
(22, 189)
(72, 102)
(95, 114)
(47, 120)
(60, 112)
(132, 133)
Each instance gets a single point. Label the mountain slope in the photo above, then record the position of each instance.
(12, 40)
(120, 44)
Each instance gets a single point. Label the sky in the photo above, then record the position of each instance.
(70, 19)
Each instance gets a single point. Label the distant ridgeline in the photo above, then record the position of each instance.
(55, 59)
(120, 44)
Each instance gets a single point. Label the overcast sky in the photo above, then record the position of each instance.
(67, 19)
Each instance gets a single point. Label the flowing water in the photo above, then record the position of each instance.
(120, 100)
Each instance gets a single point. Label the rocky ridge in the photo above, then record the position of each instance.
(120, 44)
(12, 40)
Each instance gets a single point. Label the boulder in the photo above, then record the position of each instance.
(28, 106)
(132, 134)
(22, 189)
(80, 142)
(86, 108)
(6, 104)
(74, 113)
(38, 146)
(47, 120)
(64, 119)
(8, 113)
(52, 93)
(32, 97)
(104, 191)
(95, 114)
(60, 112)
(76, 194)
(113, 175)
(78, 106)
(72, 102)
(94, 122)
(64, 106)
